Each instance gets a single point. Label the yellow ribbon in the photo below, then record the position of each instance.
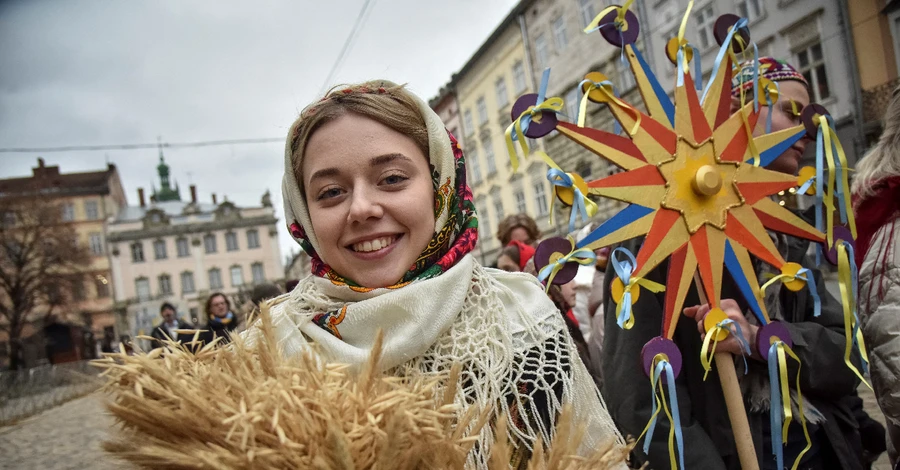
(822, 122)
(535, 112)
(845, 178)
(620, 17)
(582, 108)
(845, 282)
(661, 403)
(754, 152)
(786, 400)
(582, 256)
(707, 353)
(651, 286)
(681, 30)
(762, 290)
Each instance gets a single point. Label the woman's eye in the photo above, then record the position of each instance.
(394, 179)
(328, 194)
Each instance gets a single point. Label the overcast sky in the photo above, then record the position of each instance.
(95, 72)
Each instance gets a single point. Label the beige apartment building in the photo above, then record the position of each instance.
(88, 202)
(182, 251)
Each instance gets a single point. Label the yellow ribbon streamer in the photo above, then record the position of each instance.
(786, 399)
(582, 256)
(776, 278)
(659, 394)
(845, 177)
(651, 286)
(745, 120)
(707, 353)
(554, 104)
(681, 30)
(822, 122)
(620, 17)
(845, 280)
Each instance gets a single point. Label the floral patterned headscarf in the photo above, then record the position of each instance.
(456, 224)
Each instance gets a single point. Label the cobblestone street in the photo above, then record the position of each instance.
(65, 437)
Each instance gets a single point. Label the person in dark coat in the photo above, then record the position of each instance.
(220, 320)
(825, 380)
(168, 329)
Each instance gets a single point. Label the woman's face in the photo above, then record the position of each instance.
(520, 234)
(784, 117)
(370, 198)
(507, 264)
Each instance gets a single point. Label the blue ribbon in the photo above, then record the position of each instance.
(624, 269)
(775, 418)
(739, 334)
(698, 71)
(854, 276)
(663, 366)
(806, 185)
(562, 179)
(820, 189)
(807, 275)
(741, 23)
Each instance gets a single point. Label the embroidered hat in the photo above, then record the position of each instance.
(769, 67)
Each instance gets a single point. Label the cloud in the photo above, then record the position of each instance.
(90, 72)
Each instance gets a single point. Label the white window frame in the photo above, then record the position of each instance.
(474, 166)
(95, 240)
(573, 99)
(210, 243)
(519, 81)
(626, 80)
(231, 242)
(587, 10)
(91, 210)
(215, 278)
(502, 92)
(137, 252)
(521, 201)
(159, 249)
(183, 242)
(749, 5)
(488, 146)
(705, 20)
(498, 207)
(187, 283)
(540, 196)
(468, 123)
(67, 212)
(142, 289)
(236, 273)
(559, 33)
(810, 71)
(253, 238)
(165, 284)
(257, 272)
(541, 50)
(481, 106)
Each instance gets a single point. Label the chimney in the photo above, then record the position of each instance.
(40, 162)
(141, 197)
(193, 194)
(214, 199)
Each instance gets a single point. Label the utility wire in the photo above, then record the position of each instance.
(172, 145)
(348, 43)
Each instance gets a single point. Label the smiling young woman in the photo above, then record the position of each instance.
(375, 192)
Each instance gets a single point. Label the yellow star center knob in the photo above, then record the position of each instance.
(707, 181)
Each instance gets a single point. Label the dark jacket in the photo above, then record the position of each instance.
(161, 334)
(215, 329)
(825, 380)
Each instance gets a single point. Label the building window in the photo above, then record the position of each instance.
(474, 166)
(484, 223)
(468, 125)
(584, 170)
(572, 103)
(258, 273)
(165, 285)
(215, 278)
(187, 282)
(102, 286)
(540, 198)
(237, 276)
(183, 248)
(489, 155)
(91, 211)
(498, 207)
(231, 243)
(502, 96)
(159, 249)
(541, 50)
(706, 19)
(252, 239)
(812, 66)
(78, 292)
(623, 71)
(481, 104)
(588, 12)
(519, 77)
(521, 205)
(209, 241)
(96, 242)
(142, 286)
(750, 9)
(559, 33)
(68, 212)
(137, 252)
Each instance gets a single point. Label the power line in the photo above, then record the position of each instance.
(354, 32)
(171, 145)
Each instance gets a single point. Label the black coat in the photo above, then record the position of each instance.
(825, 380)
(161, 334)
(215, 330)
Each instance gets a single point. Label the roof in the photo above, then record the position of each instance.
(173, 209)
(48, 179)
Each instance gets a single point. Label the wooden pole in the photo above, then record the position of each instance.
(734, 400)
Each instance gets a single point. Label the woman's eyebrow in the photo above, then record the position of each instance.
(387, 158)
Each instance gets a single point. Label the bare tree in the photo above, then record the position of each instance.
(40, 263)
